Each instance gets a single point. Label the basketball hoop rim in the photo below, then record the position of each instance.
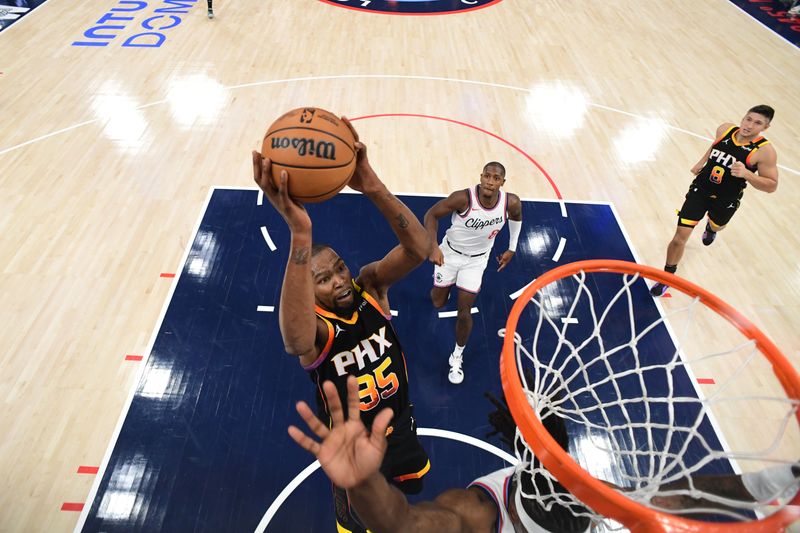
(602, 498)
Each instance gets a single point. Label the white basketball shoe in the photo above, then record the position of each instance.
(456, 375)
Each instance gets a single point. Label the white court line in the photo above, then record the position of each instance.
(560, 250)
(29, 14)
(276, 504)
(466, 439)
(444, 195)
(46, 135)
(563, 206)
(698, 390)
(382, 76)
(422, 432)
(140, 373)
(570, 320)
(267, 238)
(451, 314)
(260, 200)
(517, 294)
(769, 30)
(265, 308)
(393, 312)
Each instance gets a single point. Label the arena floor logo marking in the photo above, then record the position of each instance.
(413, 7)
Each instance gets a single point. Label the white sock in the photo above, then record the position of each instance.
(458, 349)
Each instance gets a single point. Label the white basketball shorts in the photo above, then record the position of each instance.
(462, 270)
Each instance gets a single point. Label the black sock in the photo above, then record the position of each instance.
(670, 268)
(209, 4)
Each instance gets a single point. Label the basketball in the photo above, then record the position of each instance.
(316, 148)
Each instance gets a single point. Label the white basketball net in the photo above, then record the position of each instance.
(631, 419)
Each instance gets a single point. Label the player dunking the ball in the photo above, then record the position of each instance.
(477, 215)
(339, 326)
(738, 156)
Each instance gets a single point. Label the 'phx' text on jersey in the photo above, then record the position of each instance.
(715, 179)
(365, 346)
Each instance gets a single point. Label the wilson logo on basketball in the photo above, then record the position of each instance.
(307, 116)
(319, 149)
(315, 148)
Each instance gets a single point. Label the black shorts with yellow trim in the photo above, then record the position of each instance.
(698, 203)
(404, 466)
(406, 461)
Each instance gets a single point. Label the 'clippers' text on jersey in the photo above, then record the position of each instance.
(473, 231)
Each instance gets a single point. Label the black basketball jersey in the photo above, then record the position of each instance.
(366, 346)
(715, 178)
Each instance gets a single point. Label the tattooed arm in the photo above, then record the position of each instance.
(301, 330)
(303, 333)
(414, 245)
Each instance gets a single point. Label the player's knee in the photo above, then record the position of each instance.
(465, 316)
(680, 237)
(438, 299)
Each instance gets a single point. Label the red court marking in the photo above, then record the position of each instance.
(706, 381)
(66, 506)
(666, 295)
(167, 275)
(514, 146)
(88, 469)
(130, 357)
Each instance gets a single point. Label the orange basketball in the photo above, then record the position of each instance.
(316, 148)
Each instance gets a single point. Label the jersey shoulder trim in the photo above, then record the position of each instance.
(761, 141)
(374, 303)
(475, 198)
(323, 354)
(466, 211)
(725, 134)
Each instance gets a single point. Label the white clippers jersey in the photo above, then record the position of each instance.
(498, 485)
(473, 231)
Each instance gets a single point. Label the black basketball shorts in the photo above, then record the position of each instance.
(404, 466)
(698, 203)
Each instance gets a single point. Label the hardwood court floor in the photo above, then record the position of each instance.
(107, 153)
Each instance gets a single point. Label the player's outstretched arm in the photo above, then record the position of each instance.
(296, 316)
(384, 509)
(414, 246)
(457, 202)
(351, 457)
(764, 486)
